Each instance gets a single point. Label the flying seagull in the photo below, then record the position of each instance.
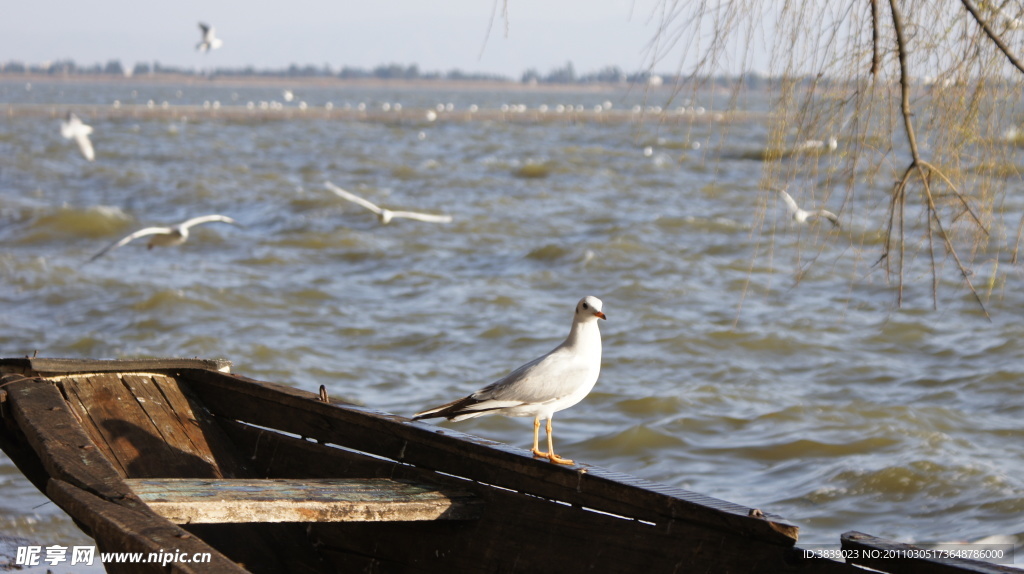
(72, 128)
(802, 215)
(386, 215)
(210, 41)
(165, 236)
(542, 387)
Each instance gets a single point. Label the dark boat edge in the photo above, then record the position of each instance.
(418, 444)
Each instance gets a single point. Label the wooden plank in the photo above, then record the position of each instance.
(899, 558)
(292, 410)
(64, 449)
(13, 442)
(173, 420)
(120, 529)
(82, 415)
(203, 423)
(513, 528)
(274, 455)
(196, 501)
(42, 366)
(136, 440)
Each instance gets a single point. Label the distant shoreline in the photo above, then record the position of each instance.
(322, 81)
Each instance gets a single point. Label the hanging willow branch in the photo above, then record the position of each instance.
(850, 68)
(876, 58)
(922, 169)
(992, 35)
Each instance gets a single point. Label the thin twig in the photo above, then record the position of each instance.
(875, 55)
(1016, 245)
(901, 48)
(490, 23)
(918, 165)
(967, 206)
(931, 248)
(949, 244)
(992, 35)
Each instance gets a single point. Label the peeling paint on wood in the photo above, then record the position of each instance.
(198, 501)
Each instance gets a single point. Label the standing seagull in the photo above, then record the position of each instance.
(542, 387)
(165, 236)
(817, 145)
(801, 215)
(73, 128)
(210, 41)
(386, 215)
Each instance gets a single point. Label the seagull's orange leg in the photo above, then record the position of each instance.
(536, 439)
(551, 448)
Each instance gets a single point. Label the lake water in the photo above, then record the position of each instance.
(745, 357)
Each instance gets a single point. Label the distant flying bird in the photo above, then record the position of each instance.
(386, 215)
(802, 215)
(73, 128)
(542, 387)
(165, 236)
(210, 41)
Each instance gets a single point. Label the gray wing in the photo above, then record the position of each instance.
(422, 216)
(544, 379)
(790, 204)
(207, 219)
(352, 197)
(829, 216)
(125, 240)
(537, 382)
(204, 43)
(85, 146)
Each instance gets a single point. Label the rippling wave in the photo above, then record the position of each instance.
(745, 358)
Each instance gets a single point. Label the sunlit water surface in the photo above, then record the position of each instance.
(744, 357)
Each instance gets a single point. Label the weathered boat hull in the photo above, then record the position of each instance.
(89, 434)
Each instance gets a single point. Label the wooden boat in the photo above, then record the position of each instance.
(180, 456)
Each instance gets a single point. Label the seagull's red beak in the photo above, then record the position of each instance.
(600, 315)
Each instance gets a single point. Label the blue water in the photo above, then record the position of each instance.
(745, 357)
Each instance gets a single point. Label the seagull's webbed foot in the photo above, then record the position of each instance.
(559, 460)
(551, 457)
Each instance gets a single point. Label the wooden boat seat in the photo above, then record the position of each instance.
(206, 501)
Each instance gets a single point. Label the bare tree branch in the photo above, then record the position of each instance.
(918, 88)
(875, 54)
(1016, 245)
(490, 23)
(952, 187)
(992, 35)
(918, 165)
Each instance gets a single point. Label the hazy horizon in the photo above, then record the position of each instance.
(459, 35)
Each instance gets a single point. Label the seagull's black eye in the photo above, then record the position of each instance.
(585, 306)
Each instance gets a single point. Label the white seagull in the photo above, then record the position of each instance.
(817, 145)
(72, 128)
(386, 215)
(802, 215)
(165, 236)
(210, 41)
(542, 387)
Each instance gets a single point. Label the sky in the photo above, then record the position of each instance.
(436, 36)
